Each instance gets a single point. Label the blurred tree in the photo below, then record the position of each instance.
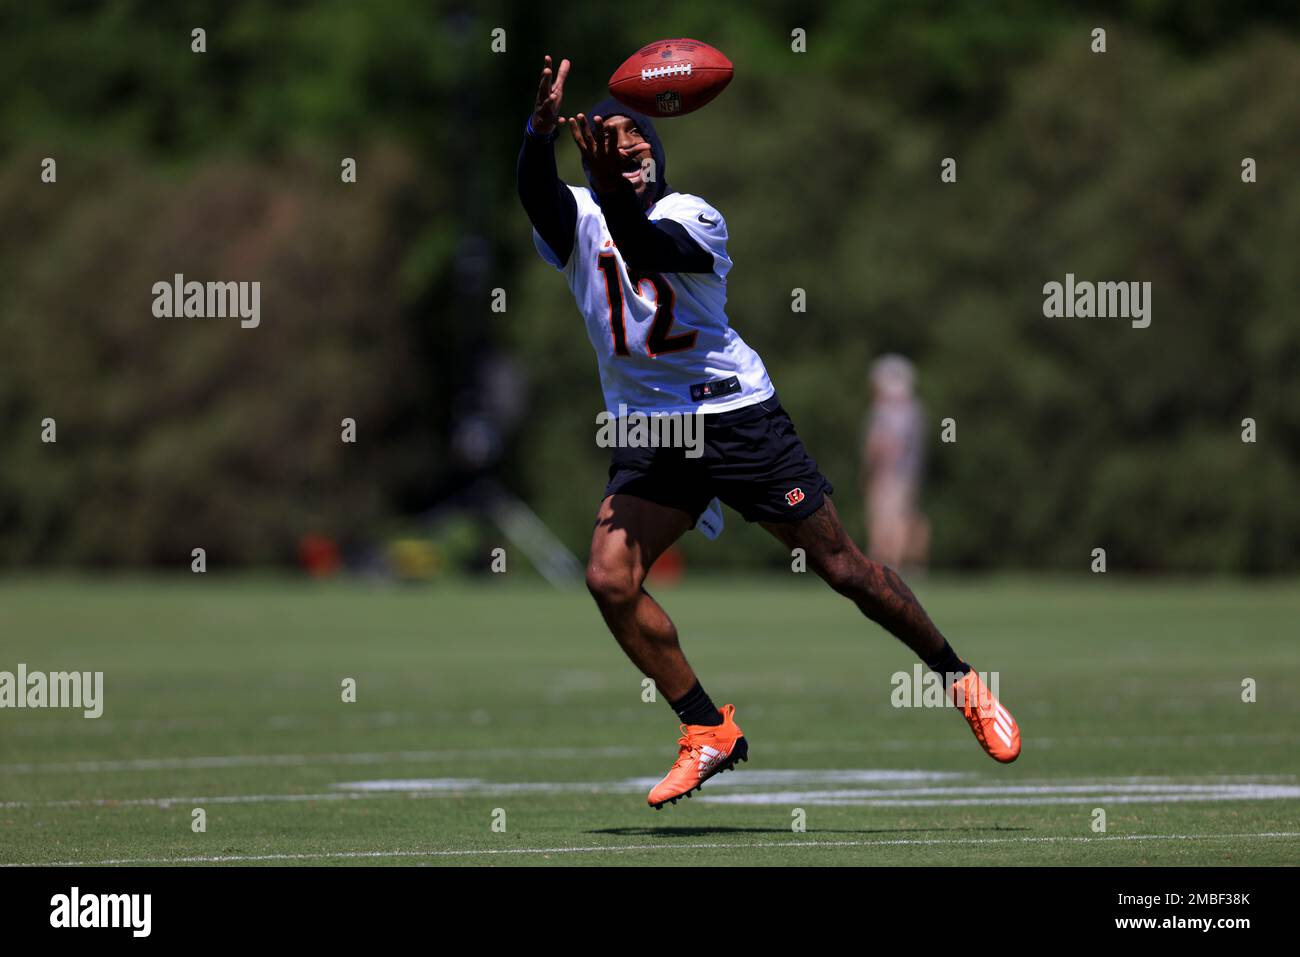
(1072, 433)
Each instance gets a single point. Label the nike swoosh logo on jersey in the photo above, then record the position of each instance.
(706, 222)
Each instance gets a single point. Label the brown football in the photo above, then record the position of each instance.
(671, 77)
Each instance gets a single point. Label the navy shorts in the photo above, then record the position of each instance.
(753, 461)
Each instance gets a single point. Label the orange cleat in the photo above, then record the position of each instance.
(993, 725)
(703, 751)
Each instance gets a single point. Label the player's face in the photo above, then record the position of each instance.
(634, 148)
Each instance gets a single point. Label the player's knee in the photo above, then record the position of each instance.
(611, 584)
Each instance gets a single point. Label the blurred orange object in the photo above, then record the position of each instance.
(319, 556)
(668, 570)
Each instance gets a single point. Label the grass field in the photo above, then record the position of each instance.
(471, 697)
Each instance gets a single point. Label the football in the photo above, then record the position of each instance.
(671, 77)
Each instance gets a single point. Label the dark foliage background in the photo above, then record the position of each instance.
(376, 296)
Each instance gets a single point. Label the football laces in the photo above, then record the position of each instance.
(672, 69)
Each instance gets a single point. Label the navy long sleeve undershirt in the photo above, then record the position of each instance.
(550, 206)
(661, 246)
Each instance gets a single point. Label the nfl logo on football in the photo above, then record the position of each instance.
(669, 102)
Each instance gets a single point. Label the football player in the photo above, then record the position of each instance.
(648, 267)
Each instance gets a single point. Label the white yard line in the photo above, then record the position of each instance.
(309, 760)
(752, 786)
(616, 848)
(957, 742)
(1100, 798)
(1133, 790)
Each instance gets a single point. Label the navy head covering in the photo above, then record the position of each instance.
(611, 107)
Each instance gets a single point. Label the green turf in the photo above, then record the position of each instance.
(514, 686)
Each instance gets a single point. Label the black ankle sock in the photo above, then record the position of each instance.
(947, 663)
(696, 707)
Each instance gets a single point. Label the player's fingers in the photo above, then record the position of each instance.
(560, 77)
(577, 137)
(611, 142)
(544, 84)
(598, 136)
(588, 141)
(581, 135)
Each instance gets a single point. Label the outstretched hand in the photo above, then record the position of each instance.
(550, 91)
(600, 152)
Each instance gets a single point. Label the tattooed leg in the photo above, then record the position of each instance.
(875, 589)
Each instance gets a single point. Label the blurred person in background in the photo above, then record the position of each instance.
(893, 454)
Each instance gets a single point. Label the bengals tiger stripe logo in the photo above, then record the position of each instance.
(794, 496)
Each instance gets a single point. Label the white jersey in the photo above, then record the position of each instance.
(658, 334)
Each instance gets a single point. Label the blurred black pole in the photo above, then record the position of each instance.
(488, 397)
